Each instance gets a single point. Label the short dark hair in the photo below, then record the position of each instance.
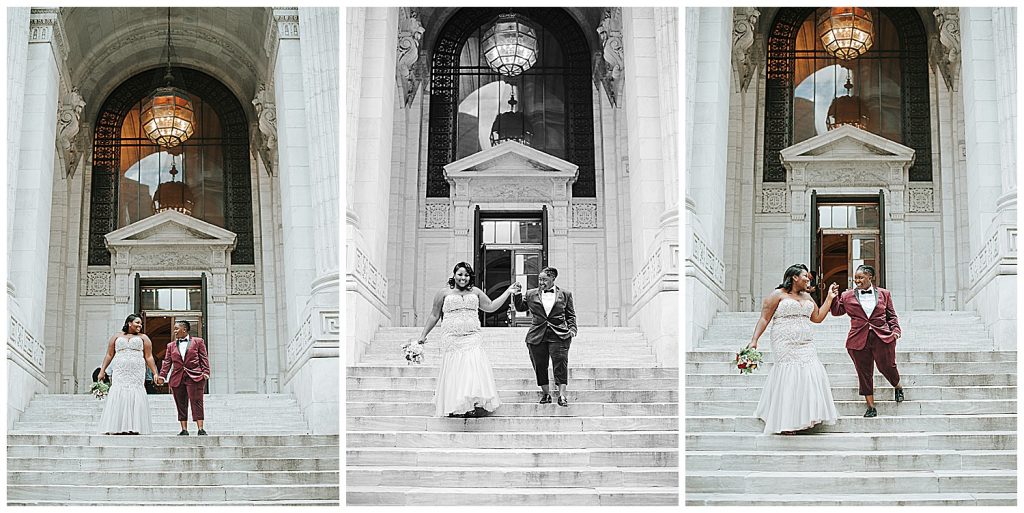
(550, 271)
(469, 270)
(185, 324)
(867, 269)
(131, 318)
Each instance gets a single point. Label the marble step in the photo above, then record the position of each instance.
(109, 477)
(512, 424)
(520, 331)
(70, 453)
(908, 381)
(517, 457)
(950, 481)
(841, 356)
(514, 440)
(175, 464)
(531, 409)
(864, 499)
(507, 372)
(859, 424)
(854, 461)
(169, 428)
(524, 396)
(904, 316)
(578, 358)
(458, 496)
(513, 477)
(182, 494)
(856, 441)
(170, 441)
(838, 343)
(883, 393)
(1005, 367)
(521, 383)
(173, 503)
(855, 407)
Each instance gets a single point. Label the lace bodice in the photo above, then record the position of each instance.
(461, 324)
(791, 334)
(128, 344)
(128, 368)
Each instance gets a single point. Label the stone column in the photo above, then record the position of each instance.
(650, 61)
(989, 97)
(708, 86)
(30, 194)
(372, 49)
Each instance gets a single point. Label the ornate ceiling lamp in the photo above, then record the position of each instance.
(510, 45)
(847, 110)
(168, 117)
(173, 195)
(846, 32)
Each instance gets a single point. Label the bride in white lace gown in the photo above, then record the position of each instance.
(465, 382)
(128, 354)
(796, 394)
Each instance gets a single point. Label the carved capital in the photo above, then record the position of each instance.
(46, 26)
(945, 47)
(409, 72)
(283, 23)
(746, 54)
(609, 62)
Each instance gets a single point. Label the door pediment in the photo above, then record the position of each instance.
(848, 156)
(511, 172)
(168, 228)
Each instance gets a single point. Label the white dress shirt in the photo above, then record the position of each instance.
(183, 345)
(867, 300)
(548, 300)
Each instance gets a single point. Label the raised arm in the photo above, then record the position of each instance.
(435, 314)
(838, 308)
(147, 353)
(487, 304)
(820, 312)
(768, 307)
(106, 359)
(519, 302)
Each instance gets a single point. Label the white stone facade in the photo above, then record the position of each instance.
(618, 251)
(950, 243)
(272, 326)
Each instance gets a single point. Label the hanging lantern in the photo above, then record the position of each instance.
(846, 32)
(510, 45)
(168, 117)
(511, 126)
(847, 110)
(173, 195)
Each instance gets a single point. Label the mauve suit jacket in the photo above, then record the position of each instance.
(195, 363)
(560, 324)
(882, 322)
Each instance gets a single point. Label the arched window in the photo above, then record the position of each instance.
(128, 168)
(554, 95)
(887, 86)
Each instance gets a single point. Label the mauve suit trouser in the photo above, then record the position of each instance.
(875, 352)
(189, 392)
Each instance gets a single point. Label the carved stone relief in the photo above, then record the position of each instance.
(409, 72)
(945, 47)
(609, 63)
(922, 200)
(746, 48)
(68, 127)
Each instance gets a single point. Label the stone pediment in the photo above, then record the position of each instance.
(848, 144)
(511, 158)
(170, 228)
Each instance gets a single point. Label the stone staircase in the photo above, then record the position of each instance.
(952, 441)
(616, 443)
(258, 452)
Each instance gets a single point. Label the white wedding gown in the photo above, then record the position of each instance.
(796, 394)
(465, 380)
(127, 407)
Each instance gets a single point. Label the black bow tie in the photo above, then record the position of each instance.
(552, 291)
(182, 340)
(864, 291)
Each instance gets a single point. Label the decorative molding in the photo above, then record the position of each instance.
(97, 283)
(1002, 244)
(661, 268)
(438, 214)
(584, 215)
(746, 46)
(510, 190)
(648, 274)
(69, 144)
(243, 282)
(161, 258)
(301, 341)
(20, 340)
(373, 279)
(706, 260)
(945, 47)
(610, 62)
(410, 70)
(922, 200)
(266, 113)
(283, 23)
(774, 200)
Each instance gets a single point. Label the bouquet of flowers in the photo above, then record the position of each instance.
(413, 352)
(99, 389)
(747, 360)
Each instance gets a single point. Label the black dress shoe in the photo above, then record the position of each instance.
(871, 413)
(184, 432)
(546, 399)
(562, 401)
(899, 395)
(202, 432)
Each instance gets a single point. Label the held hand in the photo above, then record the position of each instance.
(516, 288)
(159, 380)
(833, 290)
